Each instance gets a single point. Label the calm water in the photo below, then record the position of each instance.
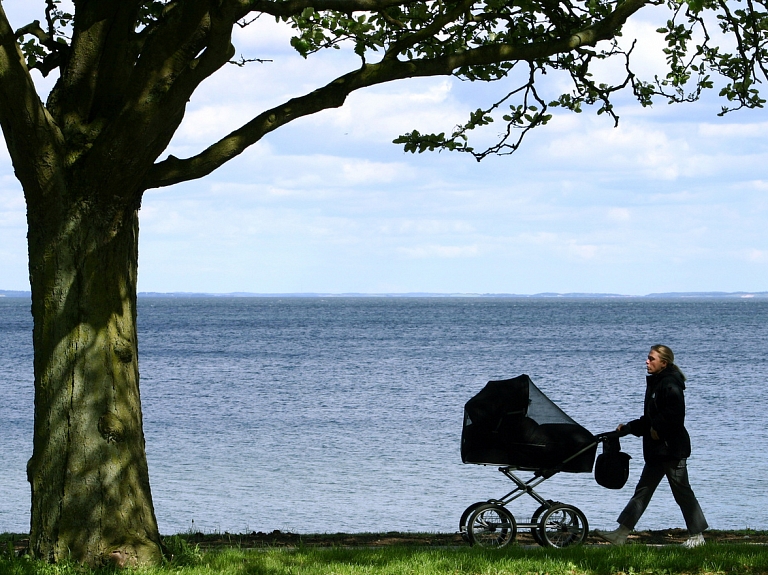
(326, 415)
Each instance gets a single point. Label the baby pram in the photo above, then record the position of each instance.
(513, 424)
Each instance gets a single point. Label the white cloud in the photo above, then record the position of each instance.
(619, 214)
(631, 147)
(170, 221)
(320, 174)
(757, 256)
(439, 251)
(263, 36)
(653, 148)
(13, 207)
(540, 238)
(357, 172)
(733, 130)
(434, 95)
(382, 113)
(582, 251)
(209, 123)
(428, 227)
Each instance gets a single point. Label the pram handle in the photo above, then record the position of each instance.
(599, 438)
(607, 435)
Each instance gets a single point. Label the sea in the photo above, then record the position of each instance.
(344, 414)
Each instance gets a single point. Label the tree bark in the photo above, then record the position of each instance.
(91, 500)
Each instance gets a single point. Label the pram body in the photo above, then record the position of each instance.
(511, 423)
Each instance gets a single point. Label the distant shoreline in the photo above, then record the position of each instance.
(547, 295)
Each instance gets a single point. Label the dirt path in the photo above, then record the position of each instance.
(279, 539)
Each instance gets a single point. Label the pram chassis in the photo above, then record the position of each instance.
(553, 524)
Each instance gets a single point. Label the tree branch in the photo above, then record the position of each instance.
(188, 45)
(293, 7)
(36, 30)
(174, 170)
(34, 141)
(433, 28)
(97, 60)
(172, 48)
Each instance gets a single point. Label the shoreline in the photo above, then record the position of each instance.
(382, 539)
(279, 539)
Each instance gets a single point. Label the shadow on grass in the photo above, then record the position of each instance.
(710, 559)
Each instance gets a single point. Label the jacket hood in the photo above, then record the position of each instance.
(672, 372)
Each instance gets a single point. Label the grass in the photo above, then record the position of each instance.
(189, 559)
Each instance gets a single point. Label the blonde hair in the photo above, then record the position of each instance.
(666, 355)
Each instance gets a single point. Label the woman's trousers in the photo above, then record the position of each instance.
(677, 475)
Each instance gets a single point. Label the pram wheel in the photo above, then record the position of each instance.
(563, 526)
(465, 519)
(491, 525)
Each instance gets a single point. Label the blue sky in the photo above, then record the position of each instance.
(674, 199)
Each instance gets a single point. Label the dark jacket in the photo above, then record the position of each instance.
(664, 411)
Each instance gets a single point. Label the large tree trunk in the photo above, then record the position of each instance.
(91, 500)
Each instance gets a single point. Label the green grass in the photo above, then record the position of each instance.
(599, 560)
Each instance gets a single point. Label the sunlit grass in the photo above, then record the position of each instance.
(588, 560)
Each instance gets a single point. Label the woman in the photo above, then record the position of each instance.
(666, 446)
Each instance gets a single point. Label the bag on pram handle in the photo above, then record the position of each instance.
(612, 465)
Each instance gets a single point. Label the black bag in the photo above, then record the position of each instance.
(612, 466)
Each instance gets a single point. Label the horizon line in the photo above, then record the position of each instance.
(550, 295)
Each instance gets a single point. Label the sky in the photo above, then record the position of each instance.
(673, 200)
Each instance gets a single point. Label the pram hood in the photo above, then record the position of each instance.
(511, 422)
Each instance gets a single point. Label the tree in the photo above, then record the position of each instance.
(126, 70)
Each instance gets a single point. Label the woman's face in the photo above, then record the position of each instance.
(654, 363)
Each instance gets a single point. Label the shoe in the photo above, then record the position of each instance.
(694, 541)
(616, 537)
